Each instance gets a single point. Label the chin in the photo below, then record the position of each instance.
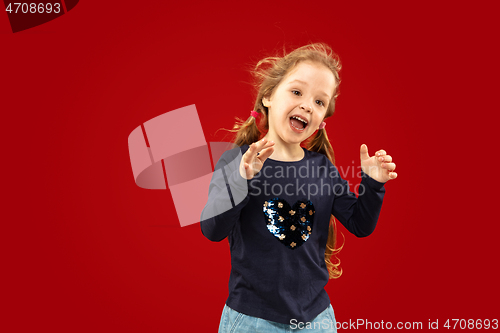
(294, 141)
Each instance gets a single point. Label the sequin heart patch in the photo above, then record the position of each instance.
(292, 226)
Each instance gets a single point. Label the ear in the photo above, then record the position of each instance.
(266, 101)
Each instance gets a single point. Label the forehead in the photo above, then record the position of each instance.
(312, 73)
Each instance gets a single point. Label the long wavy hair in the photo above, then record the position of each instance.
(268, 73)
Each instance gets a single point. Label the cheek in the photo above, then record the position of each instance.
(318, 118)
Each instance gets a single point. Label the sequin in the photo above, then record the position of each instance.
(273, 228)
(292, 226)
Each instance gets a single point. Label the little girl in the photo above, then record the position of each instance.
(275, 195)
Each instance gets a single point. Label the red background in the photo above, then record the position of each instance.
(85, 249)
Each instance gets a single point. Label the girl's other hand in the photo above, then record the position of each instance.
(380, 166)
(254, 158)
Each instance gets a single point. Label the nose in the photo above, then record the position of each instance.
(306, 106)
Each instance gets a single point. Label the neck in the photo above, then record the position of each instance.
(284, 151)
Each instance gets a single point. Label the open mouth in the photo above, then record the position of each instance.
(297, 123)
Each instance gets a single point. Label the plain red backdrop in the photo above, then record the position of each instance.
(85, 249)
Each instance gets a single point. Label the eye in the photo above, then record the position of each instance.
(320, 103)
(296, 92)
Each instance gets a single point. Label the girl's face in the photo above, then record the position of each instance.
(298, 105)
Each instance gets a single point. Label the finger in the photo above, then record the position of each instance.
(258, 145)
(252, 151)
(248, 171)
(267, 145)
(386, 158)
(251, 169)
(265, 153)
(247, 156)
(381, 152)
(389, 166)
(254, 168)
(393, 175)
(364, 152)
(261, 142)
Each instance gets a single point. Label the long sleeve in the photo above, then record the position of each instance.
(359, 215)
(278, 231)
(227, 195)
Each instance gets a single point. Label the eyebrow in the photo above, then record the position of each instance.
(305, 83)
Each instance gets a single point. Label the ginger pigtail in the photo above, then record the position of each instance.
(247, 132)
(320, 144)
(334, 269)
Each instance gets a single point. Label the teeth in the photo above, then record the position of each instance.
(300, 119)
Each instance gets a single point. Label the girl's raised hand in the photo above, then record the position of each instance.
(380, 166)
(254, 158)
